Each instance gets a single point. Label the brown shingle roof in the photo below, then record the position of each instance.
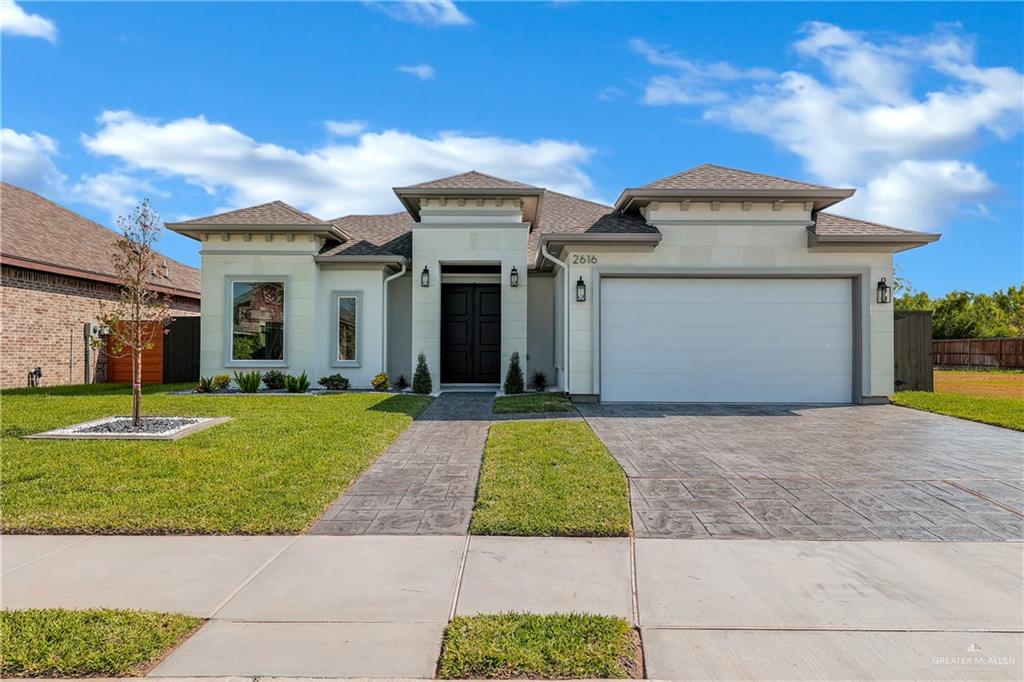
(471, 180)
(374, 235)
(37, 230)
(711, 177)
(563, 214)
(830, 224)
(272, 213)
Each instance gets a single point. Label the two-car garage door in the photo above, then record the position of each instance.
(726, 340)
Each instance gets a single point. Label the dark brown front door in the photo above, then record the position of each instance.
(470, 333)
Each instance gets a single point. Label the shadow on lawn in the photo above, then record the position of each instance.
(411, 405)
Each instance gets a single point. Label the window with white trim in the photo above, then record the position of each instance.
(348, 332)
(257, 320)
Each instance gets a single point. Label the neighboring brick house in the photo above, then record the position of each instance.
(56, 270)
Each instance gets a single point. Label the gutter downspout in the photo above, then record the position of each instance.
(565, 313)
(384, 320)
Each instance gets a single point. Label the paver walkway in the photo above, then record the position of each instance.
(425, 483)
(852, 472)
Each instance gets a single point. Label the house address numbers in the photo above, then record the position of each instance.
(584, 259)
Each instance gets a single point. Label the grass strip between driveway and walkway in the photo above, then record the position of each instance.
(87, 643)
(552, 477)
(523, 645)
(532, 402)
(272, 469)
(1005, 412)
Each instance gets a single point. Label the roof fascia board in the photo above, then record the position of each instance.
(323, 229)
(341, 258)
(899, 242)
(643, 239)
(28, 264)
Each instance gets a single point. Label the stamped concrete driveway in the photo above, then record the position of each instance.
(814, 472)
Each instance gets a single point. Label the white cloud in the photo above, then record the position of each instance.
(611, 93)
(424, 72)
(345, 128)
(856, 119)
(26, 160)
(425, 12)
(17, 22)
(116, 192)
(341, 177)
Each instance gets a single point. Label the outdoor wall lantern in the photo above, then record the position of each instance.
(581, 291)
(513, 277)
(425, 277)
(884, 292)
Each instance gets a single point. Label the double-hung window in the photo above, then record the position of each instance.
(257, 321)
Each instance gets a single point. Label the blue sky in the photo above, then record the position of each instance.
(204, 107)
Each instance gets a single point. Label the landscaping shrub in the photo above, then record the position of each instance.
(220, 382)
(401, 383)
(540, 382)
(380, 382)
(335, 382)
(514, 376)
(205, 385)
(248, 382)
(274, 379)
(299, 384)
(421, 381)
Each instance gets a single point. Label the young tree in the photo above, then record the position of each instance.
(140, 312)
(514, 376)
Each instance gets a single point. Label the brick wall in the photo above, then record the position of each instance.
(42, 316)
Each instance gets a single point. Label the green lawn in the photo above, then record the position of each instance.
(1005, 412)
(532, 402)
(90, 643)
(514, 645)
(272, 469)
(550, 477)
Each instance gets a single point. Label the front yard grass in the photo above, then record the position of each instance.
(272, 469)
(550, 477)
(521, 645)
(88, 643)
(1005, 412)
(532, 402)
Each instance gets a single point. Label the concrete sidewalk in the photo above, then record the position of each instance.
(376, 606)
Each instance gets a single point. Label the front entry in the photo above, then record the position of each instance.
(470, 333)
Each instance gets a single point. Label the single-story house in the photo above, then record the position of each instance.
(712, 285)
(56, 276)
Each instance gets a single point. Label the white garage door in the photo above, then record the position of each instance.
(727, 340)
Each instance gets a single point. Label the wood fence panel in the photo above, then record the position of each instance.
(979, 353)
(119, 368)
(912, 347)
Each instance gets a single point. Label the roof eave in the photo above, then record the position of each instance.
(29, 264)
(408, 195)
(329, 230)
(640, 239)
(822, 198)
(382, 258)
(897, 242)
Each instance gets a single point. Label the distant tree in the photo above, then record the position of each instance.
(964, 314)
(140, 312)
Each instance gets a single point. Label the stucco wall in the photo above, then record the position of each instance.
(479, 243)
(757, 238)
(400, 328)
(540, 326)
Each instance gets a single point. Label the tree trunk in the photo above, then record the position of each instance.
(137, 384)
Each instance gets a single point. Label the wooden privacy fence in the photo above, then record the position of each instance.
(173, 358)
(912, 348)
(979, 353)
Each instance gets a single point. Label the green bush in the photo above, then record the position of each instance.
(421, 381)
(220, 382)
(401, 383)
(380, 382)
(335, 382)
(274, 379)
(205, 385)
(248, 382)
(540, 382)
(299, 384)
(514, 376)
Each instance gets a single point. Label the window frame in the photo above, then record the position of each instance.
(335, 360)
(229, 319)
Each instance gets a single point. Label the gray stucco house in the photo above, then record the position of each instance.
(711, 285)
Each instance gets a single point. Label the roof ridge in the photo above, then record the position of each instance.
(730, 169)
(588, 201)
(298, 211)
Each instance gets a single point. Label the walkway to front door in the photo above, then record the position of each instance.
(425, 483)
